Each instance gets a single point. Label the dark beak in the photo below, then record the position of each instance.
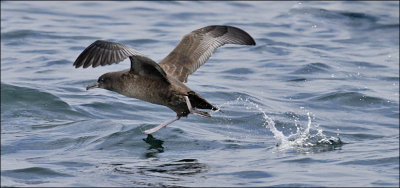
(95, 85)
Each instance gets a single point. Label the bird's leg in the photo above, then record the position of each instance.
(161, 125)
(188, 103)
(194, 111)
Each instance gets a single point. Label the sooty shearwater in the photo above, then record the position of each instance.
(162, 83)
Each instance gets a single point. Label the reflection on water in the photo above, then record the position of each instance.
(155, 146)
(175, 171)
(183, 167)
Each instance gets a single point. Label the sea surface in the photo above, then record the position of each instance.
(314, 103)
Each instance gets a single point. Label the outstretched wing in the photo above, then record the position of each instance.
(103, 53)
(106, 53)
(196, 48)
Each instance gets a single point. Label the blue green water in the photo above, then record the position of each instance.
(314, 103)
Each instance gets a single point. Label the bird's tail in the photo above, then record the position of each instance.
(199, 102)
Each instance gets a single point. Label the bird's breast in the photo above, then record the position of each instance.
(156, 92)
(150, 90)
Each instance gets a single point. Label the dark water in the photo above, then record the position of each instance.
(315, 103)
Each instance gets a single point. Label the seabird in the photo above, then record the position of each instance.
(162, 83)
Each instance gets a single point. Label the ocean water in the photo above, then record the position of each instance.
(314, 103)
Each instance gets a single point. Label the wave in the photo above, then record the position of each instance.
(312, 68)
(19, 102)
(26, 33)
(351, 99)
(138, 42)
(33, 173)
(333, 14)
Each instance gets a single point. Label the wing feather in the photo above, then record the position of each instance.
(196, 48)
(103, 53)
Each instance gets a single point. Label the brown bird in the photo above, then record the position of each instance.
(162, 83)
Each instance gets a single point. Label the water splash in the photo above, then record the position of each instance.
(305, 137)
(308, 137)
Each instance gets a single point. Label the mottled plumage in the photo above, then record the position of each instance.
(162, 83)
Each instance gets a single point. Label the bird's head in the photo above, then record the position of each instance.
(105, 81)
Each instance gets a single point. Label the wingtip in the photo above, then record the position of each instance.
(240, 33)
(76, 65)
(252, 42)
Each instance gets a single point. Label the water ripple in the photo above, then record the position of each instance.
(355, 99)
(18, 102)
(312, 68)
(33, 173)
